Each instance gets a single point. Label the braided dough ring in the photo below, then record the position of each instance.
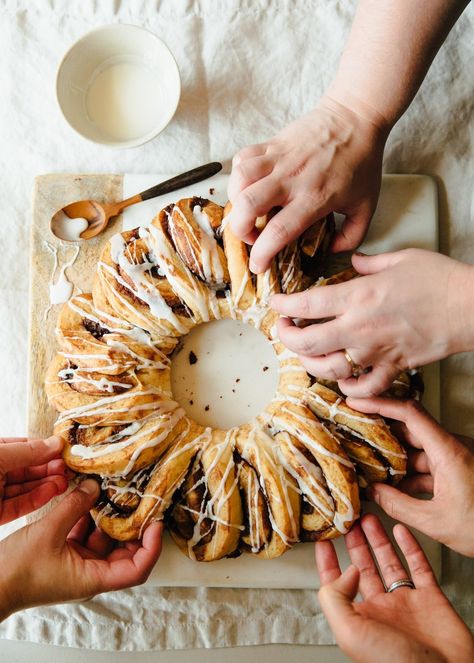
(288, 475)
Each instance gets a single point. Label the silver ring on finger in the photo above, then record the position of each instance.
(401, 583)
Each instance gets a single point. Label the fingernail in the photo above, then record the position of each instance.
(54, 442)
(89, 486)
(253, 266)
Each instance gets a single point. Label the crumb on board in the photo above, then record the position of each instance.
(211, 191)
(265, 368)
(237, 379)
(191, 402)
(192, 358)
(207, 408)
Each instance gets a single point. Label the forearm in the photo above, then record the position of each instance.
(390, 48)
(460, 313)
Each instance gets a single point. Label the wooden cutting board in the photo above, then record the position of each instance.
(50, 194)
(406, 216)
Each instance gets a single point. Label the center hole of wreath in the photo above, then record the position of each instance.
(224, 373)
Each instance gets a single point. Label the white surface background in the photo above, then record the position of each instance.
(247, 69)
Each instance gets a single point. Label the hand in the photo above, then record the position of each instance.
(61, 557)
(406, 625)
(439, 463)
(31, 473)
(410, 308)
(329, 160)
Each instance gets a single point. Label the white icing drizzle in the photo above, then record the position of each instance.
(208, 261)
(101, 407)
(334, 410)
(142, 281)
(77, 376)
(310, 442)
(272, 473)
(61, 289)
(183, 283)
(312, 484)
(383, 450)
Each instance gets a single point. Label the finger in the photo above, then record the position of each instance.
(81, 529)
(369, 384)
(248, 171)
(314, 303)
(422, 430)
(333, 366)
(352, 232)
(370, 582)
(288, 224)
(256, 200)
(313, 340)
(336, 599)
(54, 467)
(145, 557)
(16, 489)
(391, 568)
(132, 546)
(326, 562)
(81, 549)
(119, 554)
(252, 237)
(249, 152)
(420, 569)
(66, 514)
(417, 485)
(365, 264)
(99, 543)
(24, 453)
(418, 462)
(19, 506)
(399, 506)
(129, 571)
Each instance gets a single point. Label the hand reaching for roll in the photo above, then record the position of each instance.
(408, 308)
(62, 556)
(439, 464)
(329, 160)
(31, 473)
(414, 623)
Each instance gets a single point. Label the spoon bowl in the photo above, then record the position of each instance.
(80, 220)
(85, 219)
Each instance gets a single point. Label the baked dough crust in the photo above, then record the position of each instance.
(290, 474)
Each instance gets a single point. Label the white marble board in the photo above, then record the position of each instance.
(407, 215)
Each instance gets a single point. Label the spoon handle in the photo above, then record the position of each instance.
(185, 179)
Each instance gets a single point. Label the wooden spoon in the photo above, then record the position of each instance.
(85, 219)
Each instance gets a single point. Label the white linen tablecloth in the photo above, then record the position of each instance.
(248, 67)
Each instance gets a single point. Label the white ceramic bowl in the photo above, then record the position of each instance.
(118, 85)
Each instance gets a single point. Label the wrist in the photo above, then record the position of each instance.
(367, 120)
(14, 579)
(460, 308)
(365, 109)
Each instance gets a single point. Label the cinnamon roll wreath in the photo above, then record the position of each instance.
(291, 474)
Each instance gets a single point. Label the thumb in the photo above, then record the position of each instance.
(336, 600)
(371, 264)
(352, 232)
(65, 515)
(19, 453)
(400, 506)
